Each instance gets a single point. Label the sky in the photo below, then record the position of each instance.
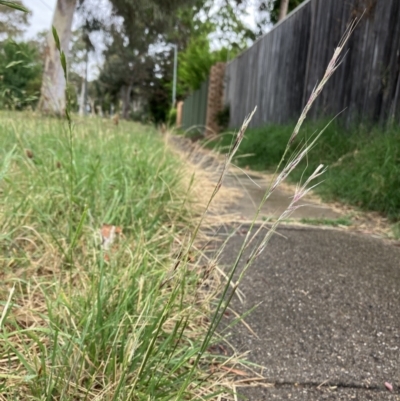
(41, 18)
(42, 14)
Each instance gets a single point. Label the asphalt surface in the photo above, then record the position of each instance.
(328, 319)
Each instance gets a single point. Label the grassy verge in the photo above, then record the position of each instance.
(363, 164)
(78, 321)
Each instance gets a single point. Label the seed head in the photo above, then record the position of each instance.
(29, 153)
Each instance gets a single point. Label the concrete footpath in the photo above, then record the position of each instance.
(327, 322)
(328, 316)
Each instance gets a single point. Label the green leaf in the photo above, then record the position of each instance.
(64, 63)
(9, 65)
(56, 38)
(79, 229)
(16, 6)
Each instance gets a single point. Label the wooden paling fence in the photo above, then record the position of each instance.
(278, 73)
(200, 109)
(195, 109)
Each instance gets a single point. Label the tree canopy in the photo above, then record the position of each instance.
(274, 8)
(137, 38)
(268, 12)
(218, 33)
(138, 59)
(13, 22)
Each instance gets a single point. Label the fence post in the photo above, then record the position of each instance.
(215, 98)
(179, 112)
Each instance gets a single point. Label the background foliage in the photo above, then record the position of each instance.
(135, 75)
(20, 74)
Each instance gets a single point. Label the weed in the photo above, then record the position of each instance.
(341, 221)
(396, 231)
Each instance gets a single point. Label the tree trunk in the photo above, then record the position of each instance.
(100, 112)
(126, 100)
(283, 10)
(52, 99)
(92, 107)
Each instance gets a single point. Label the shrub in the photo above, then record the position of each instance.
(20, 72)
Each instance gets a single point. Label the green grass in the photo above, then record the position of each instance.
(341, 221)
(76, 326)
(396, 231)
(363, 163)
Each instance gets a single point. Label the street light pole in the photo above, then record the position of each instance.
(175, 74)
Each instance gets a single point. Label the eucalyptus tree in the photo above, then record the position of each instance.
(52, 99)
(132, 13)
(283, 9)
(127, 69)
